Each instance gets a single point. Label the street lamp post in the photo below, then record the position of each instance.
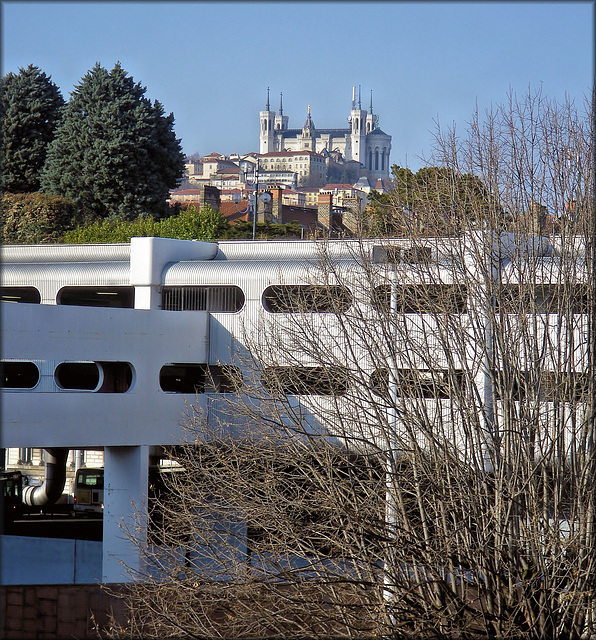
(237, 199)
(255, 201)
(254, 205)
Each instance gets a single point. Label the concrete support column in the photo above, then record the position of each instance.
(148, 258)
(125, 512)
(147, 297)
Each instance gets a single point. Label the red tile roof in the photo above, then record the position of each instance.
(230, 211)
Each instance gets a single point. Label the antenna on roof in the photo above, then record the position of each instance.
(353, 97)
(281, 107)
(371, 109)
(359, 101)
(267, 105)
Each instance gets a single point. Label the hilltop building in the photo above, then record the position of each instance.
(363, 141)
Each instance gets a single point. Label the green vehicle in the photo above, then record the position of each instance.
(12, 496)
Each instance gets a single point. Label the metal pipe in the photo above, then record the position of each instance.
(54, 480)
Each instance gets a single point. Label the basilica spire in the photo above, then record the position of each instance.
(309, 126)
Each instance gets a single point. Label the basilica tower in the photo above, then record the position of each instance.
(357, 122)
(281, 121)
(266, 136)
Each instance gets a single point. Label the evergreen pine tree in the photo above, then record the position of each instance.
(115, 153)
(30, 105)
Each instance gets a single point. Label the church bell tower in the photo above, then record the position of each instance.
(357, 121)
(266, 136)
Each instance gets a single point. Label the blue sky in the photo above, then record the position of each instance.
(211, 63)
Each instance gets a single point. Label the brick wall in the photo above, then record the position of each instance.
(44, 612)
(324, 210)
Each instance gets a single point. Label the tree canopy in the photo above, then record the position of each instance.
(30, 107)
(115, 152)
(437, 199)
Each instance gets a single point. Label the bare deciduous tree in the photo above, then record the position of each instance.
(411, 449)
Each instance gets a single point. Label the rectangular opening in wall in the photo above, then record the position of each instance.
(226, 299)
(18, 375)
(306, 380)
(192, 377)
(418, 383)
(122, 297)
(116, 377)
(183, 378)
(20, 294)
(299, 298)
(542, 386)
(543, 298)
(401, 255)
(77, 376)
(427, 298)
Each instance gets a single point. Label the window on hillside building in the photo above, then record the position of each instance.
(213, 298)
(20, 294)
(431, 298)
(25, 455)
(306, 298)
(327, 381)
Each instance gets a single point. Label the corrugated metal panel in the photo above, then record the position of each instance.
(242, 272)
(342, 250)
(65, 253)
(291, 250)
(546, 270)
(75, 273)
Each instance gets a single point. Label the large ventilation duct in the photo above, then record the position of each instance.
(54, 481)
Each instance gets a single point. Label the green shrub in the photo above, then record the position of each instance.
(33, 218)
(264, 230)
(190, 224)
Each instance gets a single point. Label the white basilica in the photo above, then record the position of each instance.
(363, 141)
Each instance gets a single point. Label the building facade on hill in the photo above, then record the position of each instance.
(363, 141)
(308, 167)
